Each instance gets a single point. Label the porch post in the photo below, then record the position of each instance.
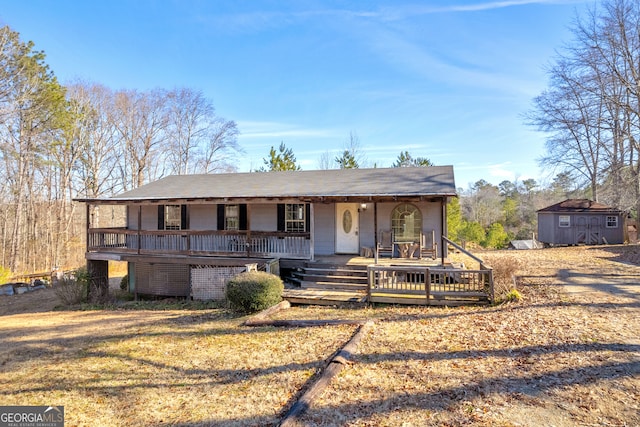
(312, 229)
(139, 227)
(248, 243)
(375, 231)
(443, 227)
(88, 219)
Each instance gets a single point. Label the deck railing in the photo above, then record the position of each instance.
(432, 284)
(195, 242)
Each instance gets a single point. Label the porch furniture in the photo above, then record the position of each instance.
(407, 249)
(428, 245)
(385, 244)
(366, 252)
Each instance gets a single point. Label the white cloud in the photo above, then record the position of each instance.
(274, 130)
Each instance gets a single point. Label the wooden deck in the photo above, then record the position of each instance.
(391, 281)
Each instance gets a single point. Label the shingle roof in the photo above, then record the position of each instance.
(333, 183)
(579, 205)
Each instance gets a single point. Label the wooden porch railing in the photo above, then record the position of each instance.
(196, 242)
(432, 284)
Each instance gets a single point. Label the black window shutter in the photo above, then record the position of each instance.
(281, 226)
(220, 217)
(307, 217)
(160, 217)
(184, 218)
(242, 211)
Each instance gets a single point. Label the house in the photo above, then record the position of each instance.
(580, 221)
(184, 232)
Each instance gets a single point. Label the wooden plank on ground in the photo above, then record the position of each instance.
(333, 368)
(305, 323)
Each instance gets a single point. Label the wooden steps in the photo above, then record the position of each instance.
(327, 284)
(327, 276)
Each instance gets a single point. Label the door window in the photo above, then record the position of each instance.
(347, 221)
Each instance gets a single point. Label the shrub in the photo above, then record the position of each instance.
(124, 283)
(73, 288)
(254, 291)
(512, 295)
(504, 277)
(5, 275)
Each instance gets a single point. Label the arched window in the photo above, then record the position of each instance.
(406, 222)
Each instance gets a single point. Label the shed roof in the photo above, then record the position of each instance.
(432, 181)
(580, 205)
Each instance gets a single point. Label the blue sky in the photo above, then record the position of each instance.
(446, 80)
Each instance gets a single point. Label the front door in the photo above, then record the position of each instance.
(347, 224)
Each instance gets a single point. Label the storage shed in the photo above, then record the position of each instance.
(580, 222)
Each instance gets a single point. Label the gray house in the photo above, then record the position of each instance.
(580, 221)
(181, 231)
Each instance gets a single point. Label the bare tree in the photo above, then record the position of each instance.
(324, 162)
(95, 136)
(219, 147)
(141, 120)
(592, 108)
(352, 156)
(482, 204)
(572, 117)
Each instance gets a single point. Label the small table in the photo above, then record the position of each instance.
(407, 249)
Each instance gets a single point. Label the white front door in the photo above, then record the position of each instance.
(347, 223)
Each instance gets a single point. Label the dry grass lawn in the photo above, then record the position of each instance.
(567, 354)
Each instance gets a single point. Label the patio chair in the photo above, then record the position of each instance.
(428, 245)
(385, 244)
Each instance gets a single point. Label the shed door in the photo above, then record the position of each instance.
(347, 233)
(594, 230)
(581, 230)
(588, 230)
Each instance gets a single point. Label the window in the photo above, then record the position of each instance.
(172, 217)
(231, 217)
(295, 217)
(406, 223)
(564, 221)
(612, 221)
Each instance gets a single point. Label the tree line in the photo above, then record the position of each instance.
(86, 140)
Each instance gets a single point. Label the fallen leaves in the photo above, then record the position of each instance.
(554, 358)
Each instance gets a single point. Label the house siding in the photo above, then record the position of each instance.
(203, 217)
(546, 228)
(325, 230)
(264, 217)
